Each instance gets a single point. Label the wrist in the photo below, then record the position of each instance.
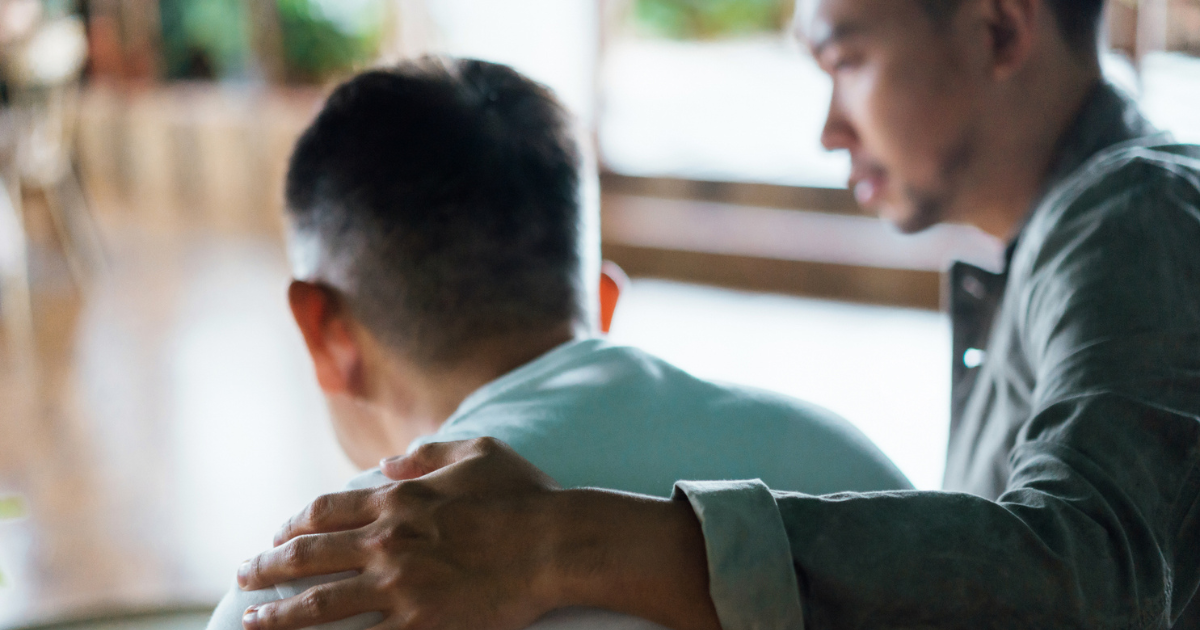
(635, 554)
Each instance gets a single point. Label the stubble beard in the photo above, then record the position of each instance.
(936, 204)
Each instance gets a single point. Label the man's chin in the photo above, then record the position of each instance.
(908, 212)
(913, 211)
(906, 219)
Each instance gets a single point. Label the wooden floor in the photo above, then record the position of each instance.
(170, 426)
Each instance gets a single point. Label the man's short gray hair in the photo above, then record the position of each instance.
(442, 198)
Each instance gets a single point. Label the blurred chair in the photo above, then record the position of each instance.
(16, 311)
(41, 57)
(42, 72)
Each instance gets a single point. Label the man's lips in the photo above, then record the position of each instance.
(868, 184)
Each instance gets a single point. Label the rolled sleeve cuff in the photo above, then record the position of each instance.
(751, 577)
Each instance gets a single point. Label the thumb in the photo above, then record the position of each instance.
(426, 459)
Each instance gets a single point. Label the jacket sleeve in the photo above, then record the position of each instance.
(1099, 526)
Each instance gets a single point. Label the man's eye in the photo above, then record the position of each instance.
(839, 58)
(846, 62)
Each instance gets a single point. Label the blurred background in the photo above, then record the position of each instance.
(158, 416)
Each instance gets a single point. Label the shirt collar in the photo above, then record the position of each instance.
(1108, 117)
(550, 363)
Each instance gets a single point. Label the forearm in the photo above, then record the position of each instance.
(1071, 544)
(632, 554)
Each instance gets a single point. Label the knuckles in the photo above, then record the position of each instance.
(407, 493)
(314, 603)
(297, 552)
(487, 446)
(380, 542)
(321, 509)
(423, 619)
(394, 581)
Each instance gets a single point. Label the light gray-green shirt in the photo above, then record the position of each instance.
(589, 413)
(593, 414)
(1074, 458)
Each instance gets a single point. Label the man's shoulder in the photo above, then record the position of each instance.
(619, 374)
(1131, 167)
(623, 418)
(1112, 183)
(628, 378)
(1111, 261)
(1129, 196)
(621, 386)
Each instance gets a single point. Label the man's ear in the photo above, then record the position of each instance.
(1013, 27)
(612, 283)
(329, 334)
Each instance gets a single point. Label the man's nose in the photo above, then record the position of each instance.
(837, 133)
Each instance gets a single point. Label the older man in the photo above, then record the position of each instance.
(435, 211)
(1074, 462)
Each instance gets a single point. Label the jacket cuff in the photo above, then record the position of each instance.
(751, 576)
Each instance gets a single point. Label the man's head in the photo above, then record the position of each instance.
(951, 109)
(436, 234)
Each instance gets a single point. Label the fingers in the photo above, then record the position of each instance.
(315, 554)
(433, 456)
(330, 513)
(320, 604)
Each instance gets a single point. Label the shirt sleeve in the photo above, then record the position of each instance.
(1099, 526)
(752, 582)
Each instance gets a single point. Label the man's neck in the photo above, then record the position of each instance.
(1027, 138)
(488, 361)
(424, 397)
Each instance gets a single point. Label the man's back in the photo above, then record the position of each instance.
(592, 414)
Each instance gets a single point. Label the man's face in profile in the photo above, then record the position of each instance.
(903, 105)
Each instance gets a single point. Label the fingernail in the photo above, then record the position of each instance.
(243, 575)
(390, 460)
(250, 618)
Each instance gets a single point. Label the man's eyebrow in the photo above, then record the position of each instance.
(836, 34)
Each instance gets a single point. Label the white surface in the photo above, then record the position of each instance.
(742, 110)
(753, 109)
(885, 370)
(552, 41)
(1171, 94)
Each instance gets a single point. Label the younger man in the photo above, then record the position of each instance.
(444, 272)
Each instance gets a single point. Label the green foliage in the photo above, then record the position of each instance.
(316, 46)
(706, 19)
(210, 39)
(204, 39)
(11, 508)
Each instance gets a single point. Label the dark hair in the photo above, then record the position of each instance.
(447, 193)
(1079, 20)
